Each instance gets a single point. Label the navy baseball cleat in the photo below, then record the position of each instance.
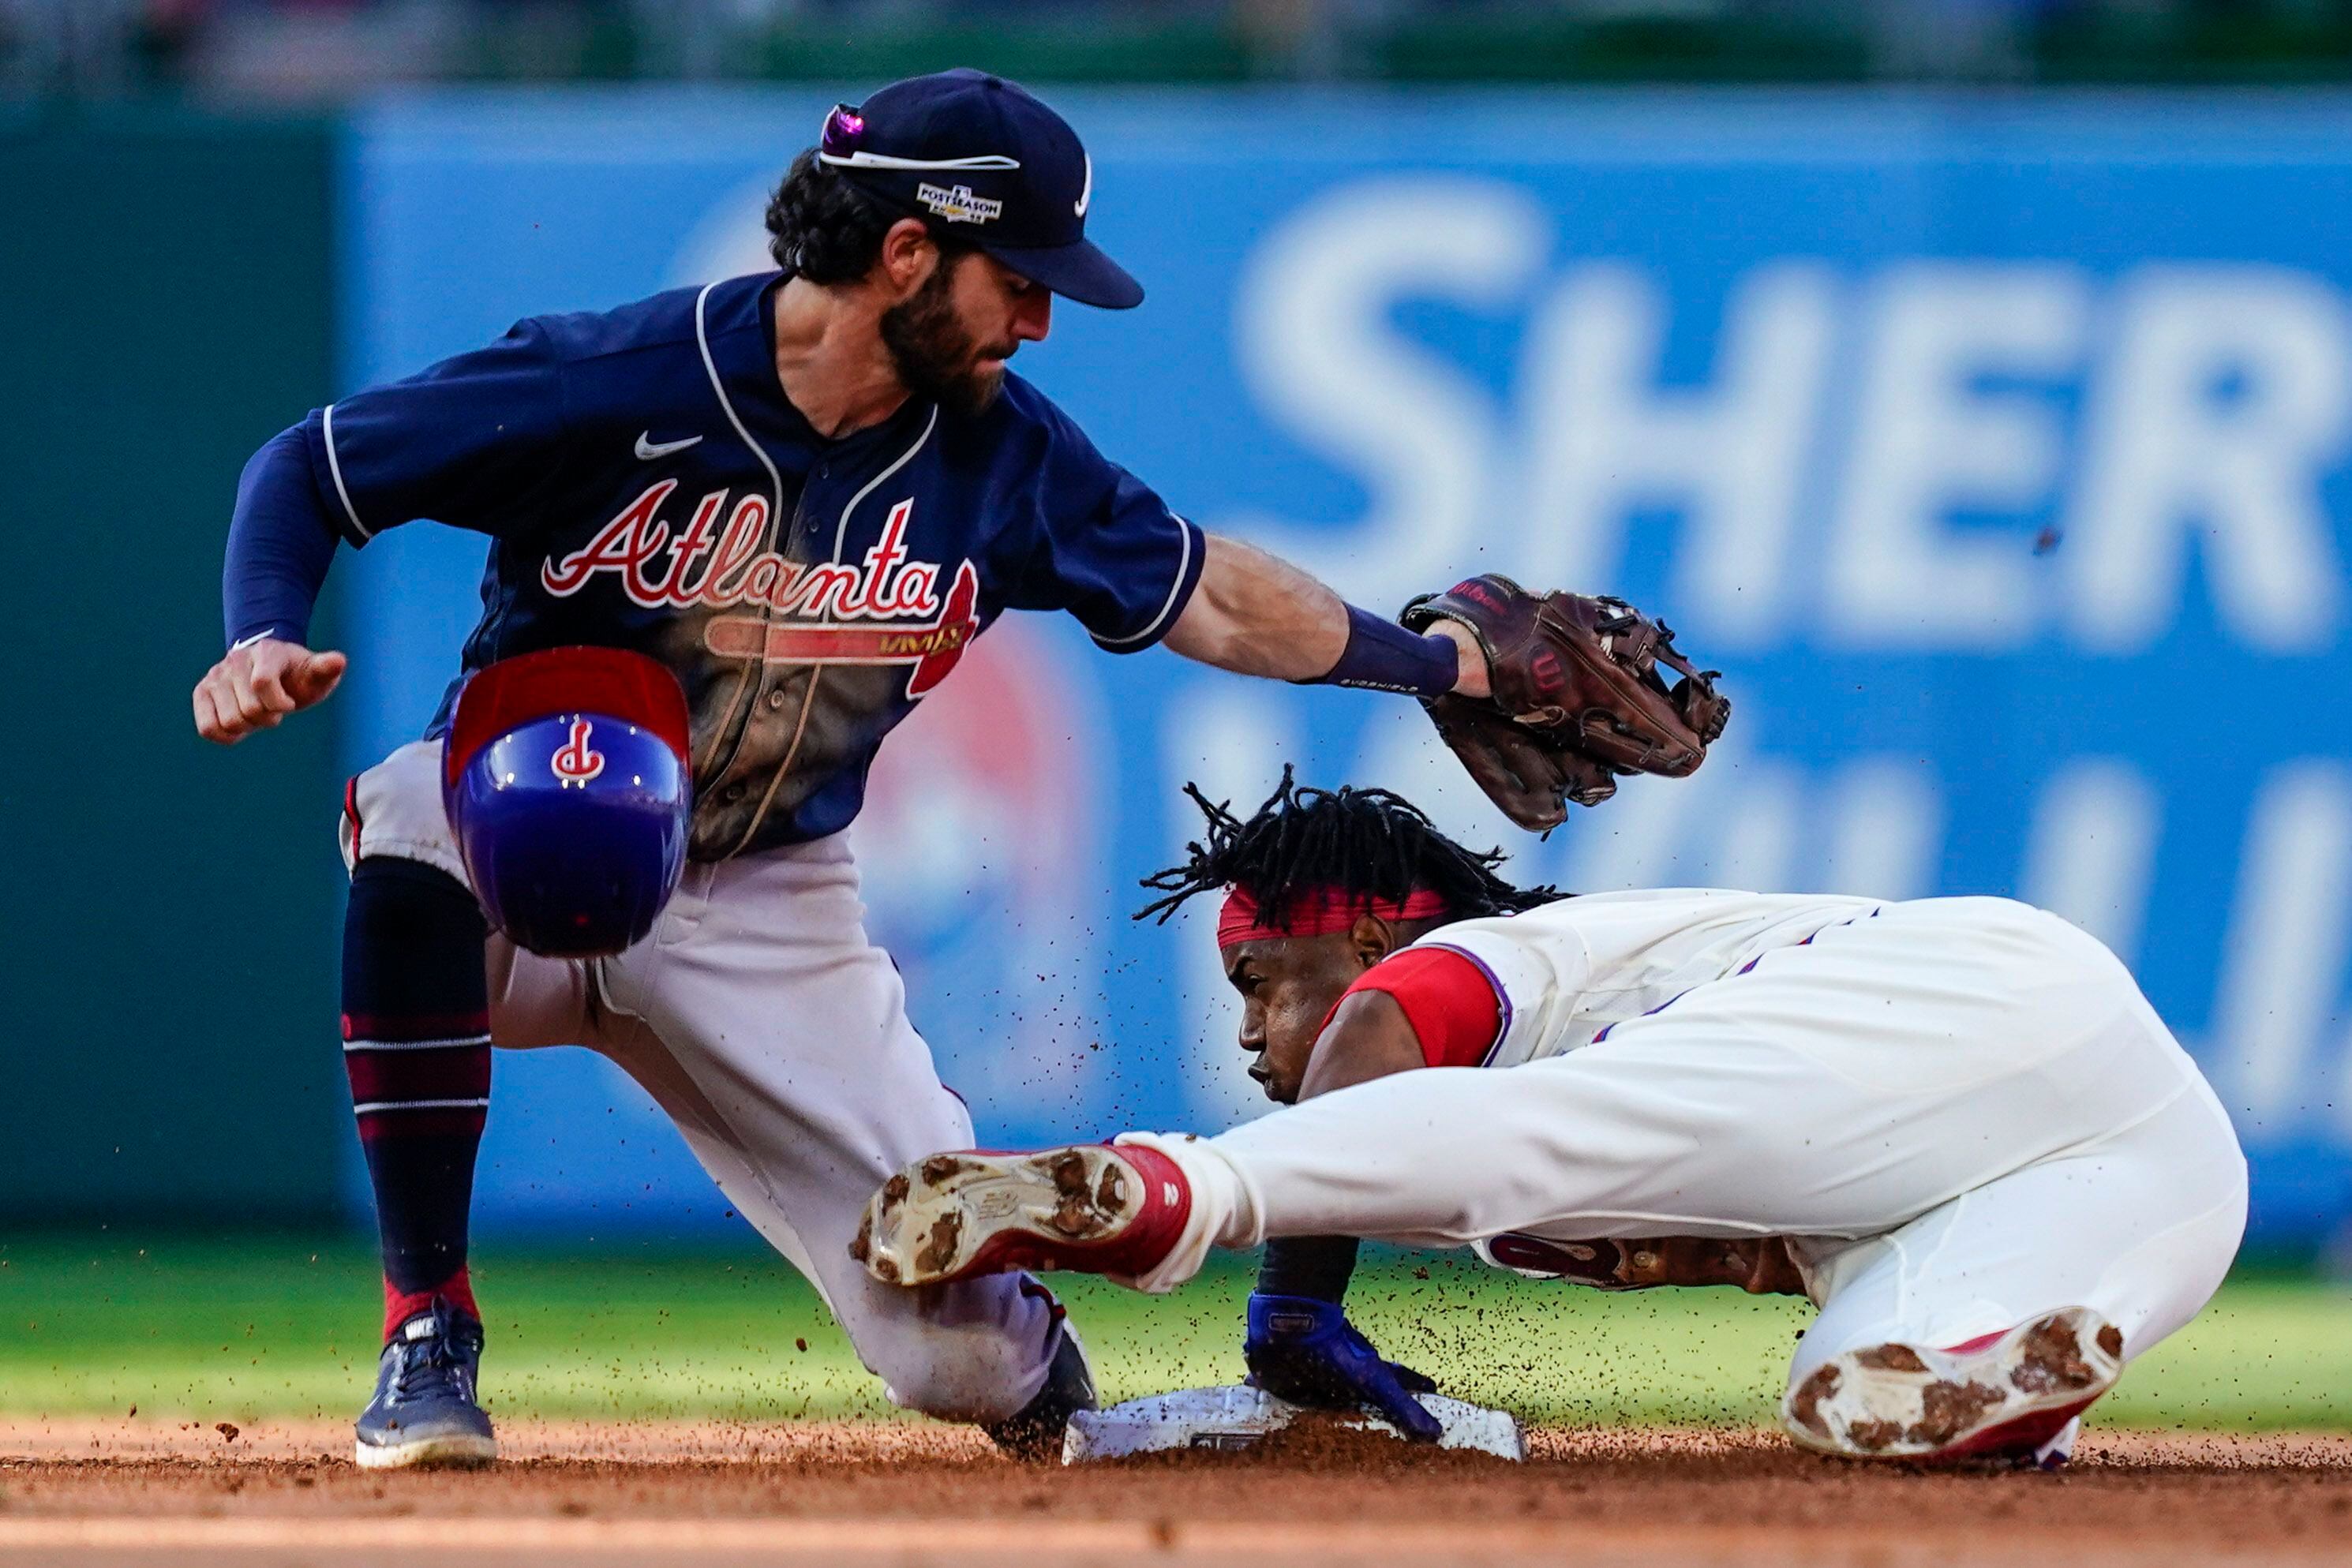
(424, 1414)
(1034, 1433)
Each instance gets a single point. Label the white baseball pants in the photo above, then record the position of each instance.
(1963, 1113)
(775, 1036)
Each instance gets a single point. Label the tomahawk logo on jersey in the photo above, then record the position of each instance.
(647, 486)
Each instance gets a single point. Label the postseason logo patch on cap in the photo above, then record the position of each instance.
(958, 206)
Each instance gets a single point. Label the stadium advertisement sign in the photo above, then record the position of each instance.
(1997, 454)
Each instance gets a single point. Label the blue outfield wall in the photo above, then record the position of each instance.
(1997, 451)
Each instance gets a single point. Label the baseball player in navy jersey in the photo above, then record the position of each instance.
(805, 493)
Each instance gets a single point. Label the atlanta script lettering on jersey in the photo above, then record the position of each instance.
(727, 566)
(824, 600)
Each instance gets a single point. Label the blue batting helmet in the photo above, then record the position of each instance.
(568, 787)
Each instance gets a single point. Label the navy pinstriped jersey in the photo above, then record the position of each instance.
(645, 485)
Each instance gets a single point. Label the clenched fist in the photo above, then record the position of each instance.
(256, 685)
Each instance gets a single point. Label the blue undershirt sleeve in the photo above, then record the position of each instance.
(280, 542)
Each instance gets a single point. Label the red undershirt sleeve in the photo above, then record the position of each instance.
(1446, 997)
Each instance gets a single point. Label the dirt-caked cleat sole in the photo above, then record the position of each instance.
(1086, 1206)
(442, 1451)
(2003, 1397)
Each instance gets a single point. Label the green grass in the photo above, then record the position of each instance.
(257, 1329)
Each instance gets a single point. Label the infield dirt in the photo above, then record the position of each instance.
(85, 1493)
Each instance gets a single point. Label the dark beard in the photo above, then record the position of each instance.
(932, 353)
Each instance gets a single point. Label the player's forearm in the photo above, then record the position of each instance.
(1256, 614)
(280, 542)
(1317, 1267)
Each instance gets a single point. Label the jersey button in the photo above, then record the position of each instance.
(732, 793)
(776, 698)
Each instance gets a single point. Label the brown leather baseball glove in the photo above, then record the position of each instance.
(1578, 699)
(1760, 1266)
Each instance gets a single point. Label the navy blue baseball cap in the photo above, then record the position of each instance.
(985, 160)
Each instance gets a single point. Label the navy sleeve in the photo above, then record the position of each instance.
(281, 540)
(1112, 552)
(464, 443)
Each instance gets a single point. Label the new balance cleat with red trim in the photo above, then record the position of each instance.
(2005, 1396)
(1086, 1206)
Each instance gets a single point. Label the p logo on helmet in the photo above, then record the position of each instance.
(575, 764)
(569, 790)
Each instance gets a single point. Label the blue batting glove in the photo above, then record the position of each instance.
(1307, 1352)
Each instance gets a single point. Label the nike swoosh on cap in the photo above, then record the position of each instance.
(648, 449)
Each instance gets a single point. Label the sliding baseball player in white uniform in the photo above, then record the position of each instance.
(1954, 1124)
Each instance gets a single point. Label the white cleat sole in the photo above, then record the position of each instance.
(954, 1215)
(453, 1451)
(2002, 1399)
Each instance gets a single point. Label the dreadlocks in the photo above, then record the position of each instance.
(1366, 843)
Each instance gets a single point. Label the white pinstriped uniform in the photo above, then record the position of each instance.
(1961, 1112)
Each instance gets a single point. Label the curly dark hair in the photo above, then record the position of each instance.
(1368, 843)
(827, 230)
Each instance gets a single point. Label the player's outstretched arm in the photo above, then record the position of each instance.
(256, 684)
(1300, 1345)
(1256, 614)
(1547, 698)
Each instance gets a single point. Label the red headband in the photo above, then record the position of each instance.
(1319, 912)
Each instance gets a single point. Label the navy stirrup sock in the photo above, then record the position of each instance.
(416, 1046)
